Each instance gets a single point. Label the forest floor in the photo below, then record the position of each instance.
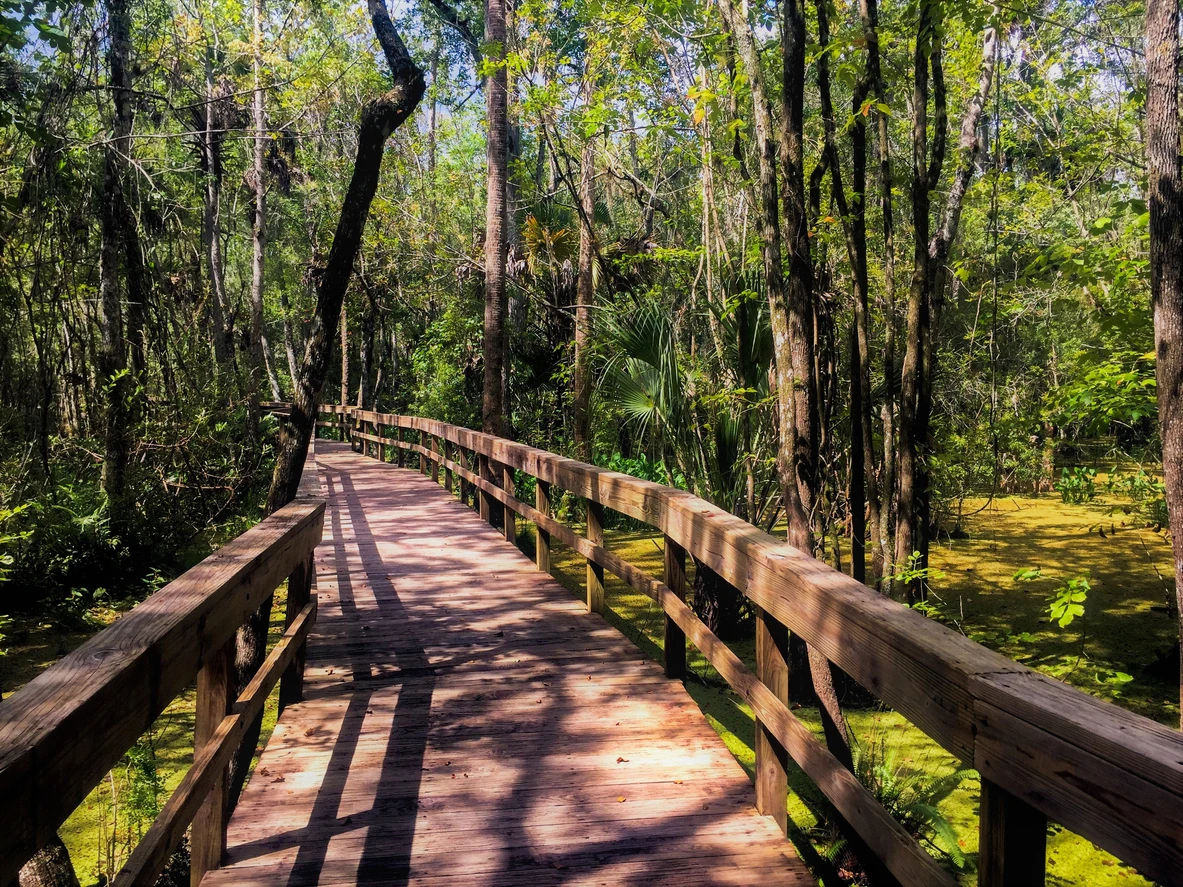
(1122, 650)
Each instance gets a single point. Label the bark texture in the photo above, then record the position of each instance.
(49, 867)
(1165, 199)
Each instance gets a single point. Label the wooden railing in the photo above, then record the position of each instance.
(64, 730)
(1044, 751)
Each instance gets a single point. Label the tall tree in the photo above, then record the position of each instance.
(585, 290)
(493, 418)
(113, 374)
(1165, 200)
(262, 360)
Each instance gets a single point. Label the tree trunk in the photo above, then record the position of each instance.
(493, 408)
(882, 556)
(344, 355)
(1165, 199)
(262, 361)
(211, 161)
(113, 377)
(379, 118)
(864, 493)
(905, 535)
(365, 352)
(585, 298)
(791, 313)
(49, 867)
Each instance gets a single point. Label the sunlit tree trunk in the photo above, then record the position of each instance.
(1165, 200)
(493, 418)
(49, 867)
(585, 295)
(211, 160)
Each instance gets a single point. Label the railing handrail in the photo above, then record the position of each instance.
(62, 731)
(1042, 748)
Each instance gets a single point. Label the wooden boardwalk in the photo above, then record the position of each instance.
(466, 722)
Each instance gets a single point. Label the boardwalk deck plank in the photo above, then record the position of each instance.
(467, 722)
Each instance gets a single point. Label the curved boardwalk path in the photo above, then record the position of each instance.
(466, 722)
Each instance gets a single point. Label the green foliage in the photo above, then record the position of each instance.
(912, 796)
(1077, 485)
(1068, 601)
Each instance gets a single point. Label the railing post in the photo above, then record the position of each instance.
(422, 455)
(541, 536)
(435, 463)
(595, 573)
(675, 638)
(291, 685)
(215, 696)
(448, 453)
(509, 517)
(485, 499)
(1012, 840)
(772, 667)
(401, 457)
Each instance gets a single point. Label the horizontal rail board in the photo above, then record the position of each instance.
(1115, 778)
(68, 726)
(151, 855)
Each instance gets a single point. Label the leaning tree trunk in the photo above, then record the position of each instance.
(496, 106)
(1166, 259)
(379, 118)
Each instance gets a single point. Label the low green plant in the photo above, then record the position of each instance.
(911, 796)
(1077, 485)
(1068, 600)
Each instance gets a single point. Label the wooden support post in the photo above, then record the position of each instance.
(772, 761)
(291, 685)
(449, 454)
(422, 456)
(675, 638)
(215, 696)
(485, 498)
(1012, 840)
(510, 517)
(541, 536)
(595, 573)
(401, 458)
(435, 463)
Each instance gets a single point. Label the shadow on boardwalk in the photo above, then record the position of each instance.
(465, 722)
